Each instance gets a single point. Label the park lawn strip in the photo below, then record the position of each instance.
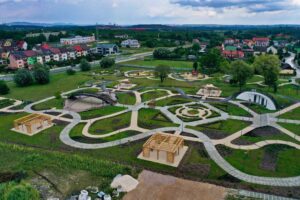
(154, 63)
(111, 124)
(58, 83)
(295, 128)
(150, 119)
(293, 114)
(229, 126)
(100, 112)
(76, 134)
(153, 95)
(6, 102)
(256, 139)
(45, 139)
(258, 108)
(173, 101)
(126, 98)
(288, 162)
(52, 103)
(231, 109)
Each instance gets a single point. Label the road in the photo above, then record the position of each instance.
(119, 59)
(290, 60)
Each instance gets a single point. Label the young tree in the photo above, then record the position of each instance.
(84, 65)
(241, 72)
(107, 62)
(196, 47)
(41, 74)
(269, 67)
(23, 77)
(71, 71)
(162, 72)
(195, 66)
(4, 89)
(212, 60)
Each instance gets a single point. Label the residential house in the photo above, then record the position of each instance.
(261, 41)
(287, 70)
(131, 43)
(124, 36)
(55, 54)
(272, 50)
(63, 54)
(77, 40)
(16, 60)
(235, 54)
(229, 41)
(107, 49)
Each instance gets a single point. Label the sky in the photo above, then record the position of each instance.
(126, 12)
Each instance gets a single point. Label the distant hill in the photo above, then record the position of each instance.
(38, 24)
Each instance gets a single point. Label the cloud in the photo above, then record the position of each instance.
(250, 5)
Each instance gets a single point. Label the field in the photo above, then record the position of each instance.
(171, 63)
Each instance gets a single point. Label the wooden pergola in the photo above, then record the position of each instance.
(168, 143)
(32, 122)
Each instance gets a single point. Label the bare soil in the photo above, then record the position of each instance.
(154, 186)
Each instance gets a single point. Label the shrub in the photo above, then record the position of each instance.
(57, 95)
(71, 71)
(107, 62)
(22, 191)
(4, 89)
(85, 65)
(23, 77)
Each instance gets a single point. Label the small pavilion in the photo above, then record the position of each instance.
(164, 148)
(32, 124)
(209, 90)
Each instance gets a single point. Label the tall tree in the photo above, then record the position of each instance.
(41, 74)
(23, 77)
(4, 89)
(241, 72)
(162, 72)
(212, 61)
(269, 67)
(107, 62)
(195, 66)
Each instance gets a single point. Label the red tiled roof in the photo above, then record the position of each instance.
(55, 50)
(235, 54)
(78, 48)
(30, 53)
(45, 46)
(262, 39)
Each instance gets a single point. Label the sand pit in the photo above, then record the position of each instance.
(154, 186)
(83, 104)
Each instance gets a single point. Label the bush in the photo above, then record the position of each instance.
(71, 71)
(4, 89)
(57, 95)
(161, 53)
(23, 78)
(85, 65)
(107, 62)
(22, 191)
(41, 74)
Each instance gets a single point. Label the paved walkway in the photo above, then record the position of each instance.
(208, 143)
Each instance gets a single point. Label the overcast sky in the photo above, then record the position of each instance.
(152, 11)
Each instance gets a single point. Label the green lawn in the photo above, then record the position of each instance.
(231, 109)
(126, 98)
(171, 63)
(256, 139)
(291, 127)
(258, 108)
(173, 101)
(110, 124)
(151, 119)
(293, 114)
(6, 102)
(288, 161)
(53, 103)
(153, 95)
(76, 134)
(228, 126)
(99, 112)
(59, 83)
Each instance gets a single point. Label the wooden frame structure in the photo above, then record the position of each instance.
(168, 143)
(31, 123)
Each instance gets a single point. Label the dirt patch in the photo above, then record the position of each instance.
(165, 187)
(10, 176)
(215, 134)
(53, 113)
(241, 141)
(264, 132)
(60, 122)
(188, 134)
(269, 160)
(224, 151)
(67, 116)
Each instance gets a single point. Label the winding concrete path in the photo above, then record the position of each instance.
(208, 143)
